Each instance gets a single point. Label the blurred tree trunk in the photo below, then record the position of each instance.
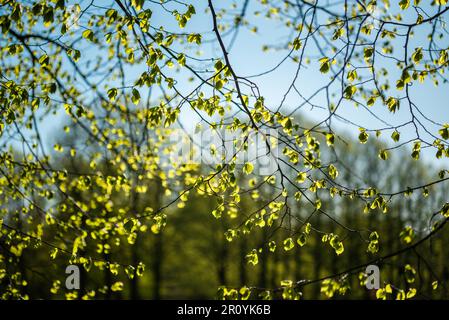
(107, 277)
(157, 266)
(223, 255)
(134, 282)
(263, 260)
(158, 255)
(135, 257)
(317, 260)
(243, 277)
(297, 263)
(83, 272)
(274, 269)
(21, 259)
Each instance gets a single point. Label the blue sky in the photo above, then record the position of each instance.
(248, 59)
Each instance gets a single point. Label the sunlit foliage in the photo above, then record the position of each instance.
(116, 77)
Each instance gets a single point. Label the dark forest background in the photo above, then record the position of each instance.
(191, 257)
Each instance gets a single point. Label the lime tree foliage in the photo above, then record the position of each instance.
(91, 93)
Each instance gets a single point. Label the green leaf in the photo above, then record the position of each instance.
(44, 60)
(325, 65)
(137, 4)
(445, 210)
(88, 34)
(368, 52)
(301, 177)
(218, 83)
(130, 272)
(373, 246)
(339, 248)
(53, 253)
(352, 75)
(135, 96)
(248, 168)
(74, 54)
(16, 12)
(417, 56)
(410, 273)
(435, 285)
(349, 92)
(288, 244)
(404, 4)
(416, 150)
(407, 235)
(112, 93)
(140, 269)
(286, 123)
(245, 292)
(395, 136)
(181, 59)
(330, 139)
(117, 286)
(333, 172)
(363, 136)
(383, 154)
(420, 19)
(272, 246)
(253, 257)
(302, 239)
(371, 100)
(218, 66)
(194, 37)
(392, 104)
(411, 293)
(297, 44)
(444, 133)
(129, 225)
(182, 21)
